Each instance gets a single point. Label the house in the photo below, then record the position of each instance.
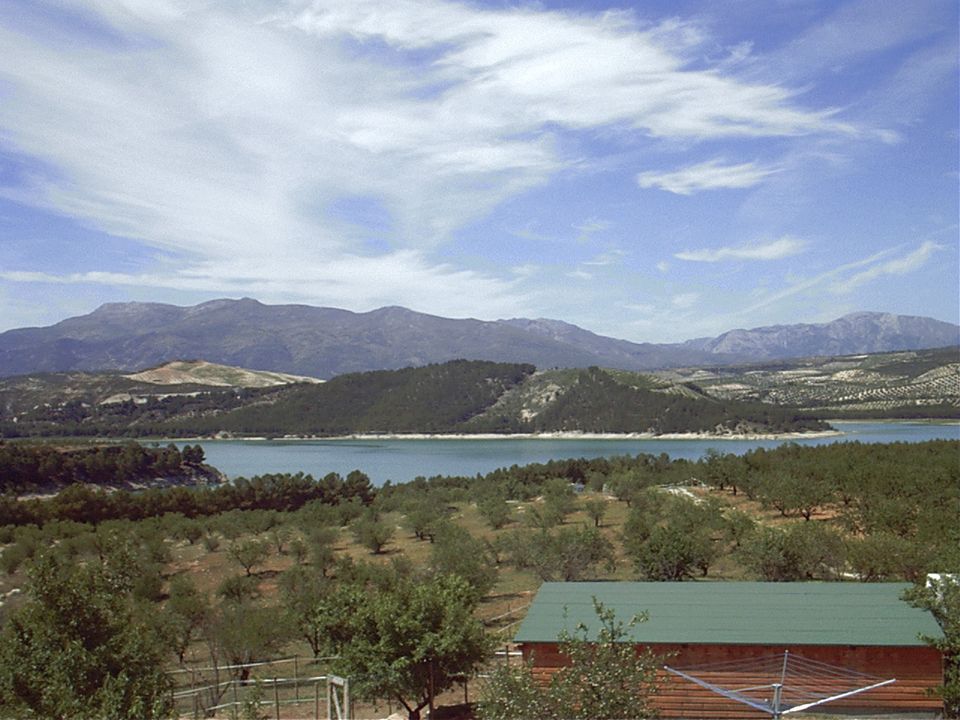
(753, 649)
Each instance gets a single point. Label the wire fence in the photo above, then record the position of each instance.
(283, 688)
(294, 686)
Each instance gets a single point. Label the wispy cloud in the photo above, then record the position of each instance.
(685, 300)
(820, 280)
(229, 149)
(591, 227)
(710, 175)
(610, 257)
(898, 266)
(855, 30)
(230, 136)
(403, 277)
(774, 250)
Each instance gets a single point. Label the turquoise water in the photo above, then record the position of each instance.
(403, 460)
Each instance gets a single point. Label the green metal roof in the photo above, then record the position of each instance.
(736, 612)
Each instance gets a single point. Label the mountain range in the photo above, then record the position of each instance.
(325, 342)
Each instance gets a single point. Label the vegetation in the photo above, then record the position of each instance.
(274, 565)
(80, 648)
(410, 640)
(282, 492)
(43, 468)
(605, 678)
(599, 403)
(908, 384)
(459, 396)
(942, 598)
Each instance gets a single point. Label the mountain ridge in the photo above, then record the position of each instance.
(324, 342)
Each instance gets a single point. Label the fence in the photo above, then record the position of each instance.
(245, 690)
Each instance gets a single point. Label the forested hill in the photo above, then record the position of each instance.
(455, 397)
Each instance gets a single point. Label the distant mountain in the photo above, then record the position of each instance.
(325, 342)
(862, 332)
(304, 340)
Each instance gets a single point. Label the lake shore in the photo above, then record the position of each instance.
(570, 435)
(408, 457)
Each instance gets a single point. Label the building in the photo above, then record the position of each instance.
(734, 636)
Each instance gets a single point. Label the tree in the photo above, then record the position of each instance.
(78, 648)
(559, 501)
(243, 633)
(877, 557)
(676, 549)
(186, 611)
(457, 552)
(358, 485)
(493, 507)
(626, 485)
(605, 677)
(737, 525)
(193, 454)
(942, 598)
(315, 609)
(570, 554)
(249, 553)
(596, 508)
(799, 551)
(672, 553)
(372, 533)
(422, 520)
(320, 546)
(411, 641)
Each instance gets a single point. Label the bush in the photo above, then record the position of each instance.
(605, 678)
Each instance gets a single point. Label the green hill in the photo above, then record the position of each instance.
(455, 397)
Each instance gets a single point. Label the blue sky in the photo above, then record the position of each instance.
(654, 171)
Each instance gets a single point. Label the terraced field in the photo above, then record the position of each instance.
(853, 383)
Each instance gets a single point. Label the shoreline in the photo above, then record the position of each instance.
(569, 435)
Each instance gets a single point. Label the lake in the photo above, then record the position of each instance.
(403, 460)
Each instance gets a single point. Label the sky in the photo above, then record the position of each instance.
(654, 171)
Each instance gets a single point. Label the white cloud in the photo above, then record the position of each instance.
(642, 308)
(775, 250)
(610, 257)
(685, 300)
(403, 278)
(222, 133)
(898, 266)
(857, 29)
(710, 175)
(590, 228)
(802, 285)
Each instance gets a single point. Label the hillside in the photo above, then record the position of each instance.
(326, 342)
(201, 372)
(456, 397)
(26, 393)
(923, 383)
